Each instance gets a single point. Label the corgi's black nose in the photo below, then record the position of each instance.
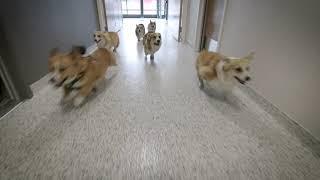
(158, 41)
(248, 78)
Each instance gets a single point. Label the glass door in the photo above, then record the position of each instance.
(143, 8)
(150, 8)
(131, 8)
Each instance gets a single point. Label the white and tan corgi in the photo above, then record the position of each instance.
(152, 26)
(151, 44)
(61, 64)
(140, 31)
(91, 70)
(80, 77)
(108, 40)
(225, 71)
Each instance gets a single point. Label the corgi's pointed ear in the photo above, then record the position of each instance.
(250, 56)
(53, 52)
(136, 25)
(150, 21)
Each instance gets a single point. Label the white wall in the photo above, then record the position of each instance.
(285, 35)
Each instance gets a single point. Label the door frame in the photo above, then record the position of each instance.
(200, 24)
(6, 79)
(184, 20)
(180, 22)
(179, 37)
(203, 39)
(101, 15)
(222, 25)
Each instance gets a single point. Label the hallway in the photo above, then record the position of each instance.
(151, 121)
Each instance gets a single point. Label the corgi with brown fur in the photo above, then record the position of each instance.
(82, 74)
(61, 64)
(215, 67)
(91, 70)
(151, 44)
(108, 40)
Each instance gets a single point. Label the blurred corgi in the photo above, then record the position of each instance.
(61, 64)
(79, 75)
(91, 70)
(108, 40)
(152, 26)
(140, 31)
(151, 44)
(226, 71)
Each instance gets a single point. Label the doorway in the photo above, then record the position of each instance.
(113, 14)
(174, 18)
(144, 8)
(8, 95)
(213, 24)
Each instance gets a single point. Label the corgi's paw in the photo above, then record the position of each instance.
(78, 101)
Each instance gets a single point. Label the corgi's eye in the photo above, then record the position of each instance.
(159, 37)
(239, 70)
(99, 36)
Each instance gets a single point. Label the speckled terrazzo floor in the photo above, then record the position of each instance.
(151, 121)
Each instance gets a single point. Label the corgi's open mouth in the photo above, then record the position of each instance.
(97, 41)
(240, 80)
(157, 43)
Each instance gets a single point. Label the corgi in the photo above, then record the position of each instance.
(151, 44)
(140, 31)
(222, 70)
(60, 64)
(80, 77)
(108, 40)
(152, 26)
(91, 70)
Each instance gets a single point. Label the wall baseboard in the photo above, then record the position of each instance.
(291, 125)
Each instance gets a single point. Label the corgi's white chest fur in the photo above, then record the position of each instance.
(154, 48)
